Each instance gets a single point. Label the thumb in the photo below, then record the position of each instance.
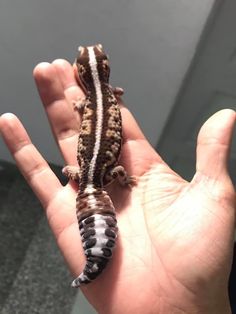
(213, 145)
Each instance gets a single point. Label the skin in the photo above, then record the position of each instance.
(176, 238)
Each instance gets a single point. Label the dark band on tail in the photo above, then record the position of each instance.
(98, 233)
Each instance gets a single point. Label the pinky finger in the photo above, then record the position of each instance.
(31, 164)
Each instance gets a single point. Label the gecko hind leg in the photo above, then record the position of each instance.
(72, 172)
(119, 173)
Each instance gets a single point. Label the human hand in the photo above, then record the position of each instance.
(175, 239)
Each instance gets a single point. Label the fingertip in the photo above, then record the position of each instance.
(48, 83)
(7, 119)
(214, 142)
(7, 116)
(219, 127)
(62, 63)
(65, 72)
(40, 69)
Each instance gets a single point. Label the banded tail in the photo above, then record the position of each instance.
(98, 230)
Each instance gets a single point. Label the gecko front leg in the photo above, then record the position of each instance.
(72, 172)
(79, 104)
(117, 91)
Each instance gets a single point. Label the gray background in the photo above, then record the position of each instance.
(175, 59)
(150, 43)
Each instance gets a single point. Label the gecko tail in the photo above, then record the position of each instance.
(91, 271)
(98, 233)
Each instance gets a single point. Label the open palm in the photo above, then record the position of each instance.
(175, 238)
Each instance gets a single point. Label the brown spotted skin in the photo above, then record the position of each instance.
(99, 147)
(111, 133)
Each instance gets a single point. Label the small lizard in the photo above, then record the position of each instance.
(99, 146)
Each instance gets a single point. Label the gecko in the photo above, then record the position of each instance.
(98, 150)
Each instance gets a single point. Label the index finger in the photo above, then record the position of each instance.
(32, 165)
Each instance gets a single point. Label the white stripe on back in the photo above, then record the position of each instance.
(99, 112)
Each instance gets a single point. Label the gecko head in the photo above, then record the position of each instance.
(92, 62)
